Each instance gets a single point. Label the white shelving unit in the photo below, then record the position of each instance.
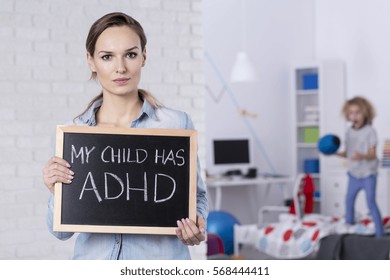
(324, 101)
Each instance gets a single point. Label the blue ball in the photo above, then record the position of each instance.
(329, 144)
(222, 223)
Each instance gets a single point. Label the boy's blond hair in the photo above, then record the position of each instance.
(364, 105)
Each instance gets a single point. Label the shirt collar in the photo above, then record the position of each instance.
(148, 110)
(89, 117)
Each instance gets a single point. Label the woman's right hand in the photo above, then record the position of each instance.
(57, 170)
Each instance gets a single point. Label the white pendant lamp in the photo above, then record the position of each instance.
(243, 69)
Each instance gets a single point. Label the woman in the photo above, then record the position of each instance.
(116, 54)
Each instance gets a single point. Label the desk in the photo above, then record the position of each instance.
(221, 183)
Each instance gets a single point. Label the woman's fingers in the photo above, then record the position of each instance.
(189, 233)
(183, 235)
(193, 231)
(179, 233)
(57, 170)
(59, 160)
(57, 176)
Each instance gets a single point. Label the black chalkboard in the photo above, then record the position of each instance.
(126, 180)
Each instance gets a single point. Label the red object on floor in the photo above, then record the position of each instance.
(214, 244)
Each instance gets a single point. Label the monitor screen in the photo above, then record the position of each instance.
(233, 151)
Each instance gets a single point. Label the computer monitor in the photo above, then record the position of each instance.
(230, 154)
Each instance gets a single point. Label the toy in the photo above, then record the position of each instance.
(214, 245)
(329, 144)
(222, 224)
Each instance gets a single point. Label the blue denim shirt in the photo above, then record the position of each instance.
(109, 246)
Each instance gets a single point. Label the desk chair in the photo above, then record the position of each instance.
(286, 209)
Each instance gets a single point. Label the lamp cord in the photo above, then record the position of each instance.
(235, 102)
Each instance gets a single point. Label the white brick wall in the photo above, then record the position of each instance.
(44, 81)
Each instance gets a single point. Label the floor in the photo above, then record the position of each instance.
(248, 252)
(251, 253)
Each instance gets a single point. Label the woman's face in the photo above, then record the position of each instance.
(356, 116)
(118, 60)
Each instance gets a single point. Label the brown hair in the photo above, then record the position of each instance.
(364, 105)
(111, 20)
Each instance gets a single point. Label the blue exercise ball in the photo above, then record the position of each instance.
(222, 223)
(329, 144)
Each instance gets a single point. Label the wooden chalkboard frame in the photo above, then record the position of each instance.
(58, 225)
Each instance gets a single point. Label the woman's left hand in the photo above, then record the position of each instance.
(189, 233)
